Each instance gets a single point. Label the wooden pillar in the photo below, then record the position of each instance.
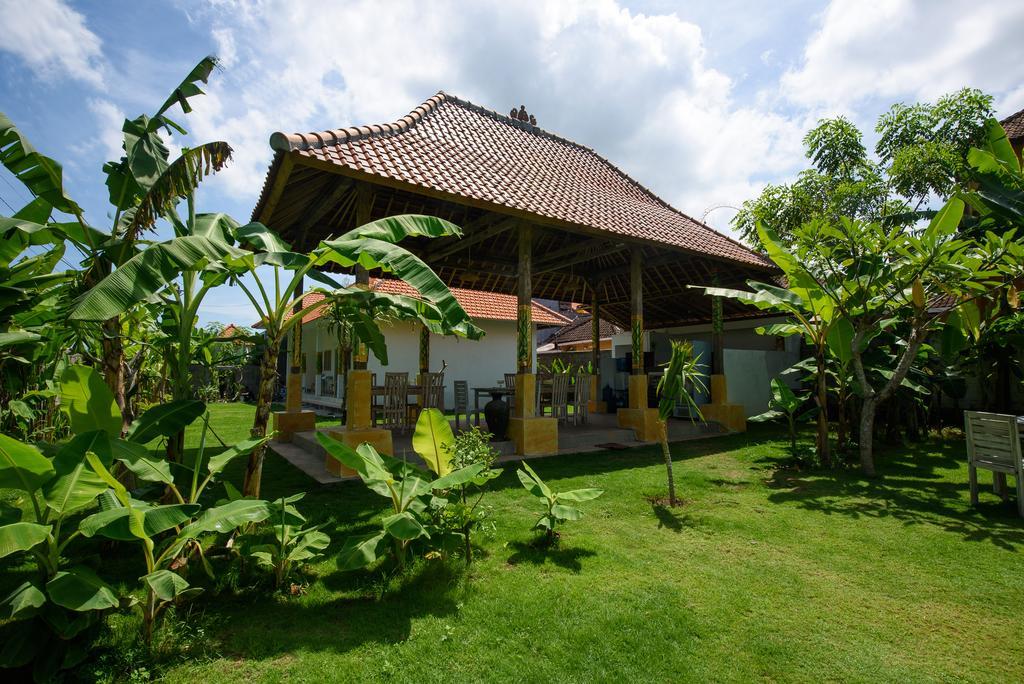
(595, 336)
(424, 352)
(636, 293)
(525, 399)
(717, 335)
(293, 388)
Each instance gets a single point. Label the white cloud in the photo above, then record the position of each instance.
(109, 120)
(899, 49)
(53, 40)
(635, 87)
(226, 51)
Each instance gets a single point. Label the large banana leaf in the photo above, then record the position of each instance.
(165, 420)
(396, 228)
(358, 552)
(227, 517)
(21, 536)
(177, 181)
(88, 401)
(186, 89)
(115, 523)
(22, 603)
(433, 440)
(217, 463)
(148, 273)
(22, 466)
(41, 175)
(75, 486)
(165, 584)
(79, 589)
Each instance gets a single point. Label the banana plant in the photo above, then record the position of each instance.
(682, 373)
(443, 452)
(142, 186)
(556, 511)
(784, 404)
(405, 486)
(292, 543)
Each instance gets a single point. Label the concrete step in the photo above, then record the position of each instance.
(305, 461)
(307, 441)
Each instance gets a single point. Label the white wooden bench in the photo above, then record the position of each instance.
(993, 443)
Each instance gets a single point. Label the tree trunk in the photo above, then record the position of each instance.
(867, 427)
(822, 401)
(113, 367)
(264, 397)
(668, 464)
(843, 419)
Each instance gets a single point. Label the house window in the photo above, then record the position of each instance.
(326, 362)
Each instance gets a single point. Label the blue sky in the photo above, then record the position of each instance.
(703, 102)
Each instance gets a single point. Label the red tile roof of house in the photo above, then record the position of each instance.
(452, 146)
(1014, 126)
(579, 331)
(486, 306)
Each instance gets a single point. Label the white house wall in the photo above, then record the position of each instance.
(751, 360)
(481, 363)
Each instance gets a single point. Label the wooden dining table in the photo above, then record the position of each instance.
(493, 391)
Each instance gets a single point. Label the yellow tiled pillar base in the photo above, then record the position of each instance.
(730, 416)
(293, 393)
(534, 436)
(644, 422)
(595, 406)
(358, 393)
(638, 417)
(526, 396)
(287, 423)
(378, 438)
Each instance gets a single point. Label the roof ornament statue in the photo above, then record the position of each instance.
(521, 115)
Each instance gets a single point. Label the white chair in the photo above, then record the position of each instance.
(560, 396)
(993, 443)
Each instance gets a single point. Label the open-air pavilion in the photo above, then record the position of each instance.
(542, 216)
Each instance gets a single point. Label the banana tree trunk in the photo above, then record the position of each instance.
(264, 398)
(667, 454)
(822, 401)
(113, 367)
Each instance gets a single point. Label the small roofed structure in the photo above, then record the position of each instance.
(542, 216)
(577, 336)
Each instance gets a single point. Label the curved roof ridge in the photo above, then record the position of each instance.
(287, 142)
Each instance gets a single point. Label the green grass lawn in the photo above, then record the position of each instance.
(766, 573)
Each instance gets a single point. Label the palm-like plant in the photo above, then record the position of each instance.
(682, 372)
(144, 185)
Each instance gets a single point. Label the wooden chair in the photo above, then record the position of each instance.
(993, 443)
(396, 396)
(560, 396)
(432, 387)
(461, 401)
(510, 383)
(581, 399)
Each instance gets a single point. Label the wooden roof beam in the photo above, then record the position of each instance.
(477, 236)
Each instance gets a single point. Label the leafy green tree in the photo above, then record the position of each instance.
(921, 153)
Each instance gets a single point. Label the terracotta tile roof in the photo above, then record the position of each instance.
(579, 331)
(485, 306)
(1014, 126)
(452, 146)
